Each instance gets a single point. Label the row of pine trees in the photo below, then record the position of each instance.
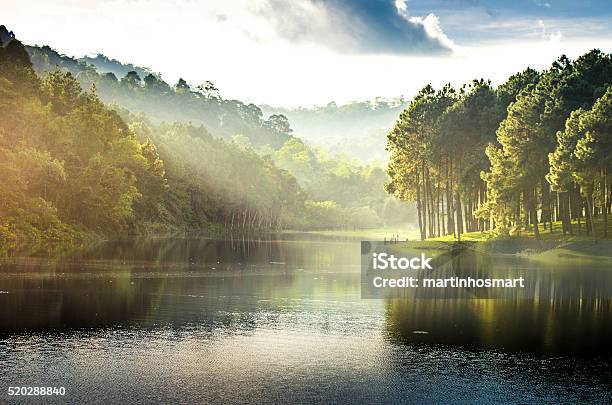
(535, 150)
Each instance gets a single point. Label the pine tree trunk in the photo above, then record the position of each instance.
(589, 211)
(438, 202)
(604, 190)
(546, 214)
(442, 214)
(534, 214)
(560, 212)
(449, 198)
(466, 210)
(429, 203)
(419, 208)
(459, 226)
(568, 214)
(527, 209)
(564, 212)
(426, 219)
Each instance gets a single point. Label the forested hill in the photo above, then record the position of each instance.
(70, 167)
(342, 191)
(138, 89)
(358, 128)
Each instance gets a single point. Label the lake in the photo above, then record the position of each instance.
(282, 320)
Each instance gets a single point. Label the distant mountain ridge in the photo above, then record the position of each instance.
(358, 129)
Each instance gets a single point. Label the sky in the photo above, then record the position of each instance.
(310, 52)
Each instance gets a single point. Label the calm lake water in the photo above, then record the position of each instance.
(194, 320)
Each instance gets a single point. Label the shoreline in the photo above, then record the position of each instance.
(551, 251)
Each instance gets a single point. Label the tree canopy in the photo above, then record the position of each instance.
(532, 151)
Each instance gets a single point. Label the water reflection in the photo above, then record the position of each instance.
(456, 272)
(144, 283)
(563, 308)
(240, 285)
(550, 327)
(177, 320)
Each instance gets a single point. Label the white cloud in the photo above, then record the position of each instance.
(402, 7)
(554, 36)
(232, 44)
(432, 27)
(352, 28)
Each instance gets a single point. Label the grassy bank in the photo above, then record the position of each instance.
(550, 247)
(552, 244)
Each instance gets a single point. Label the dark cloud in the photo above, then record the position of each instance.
(358, 26)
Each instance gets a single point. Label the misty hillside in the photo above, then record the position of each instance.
(357, 128)
(139, 90)
(103, 64)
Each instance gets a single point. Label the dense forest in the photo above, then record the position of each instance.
(70, 165)
(533, 151)
(85, 154)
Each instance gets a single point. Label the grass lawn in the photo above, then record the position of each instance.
(545, 234)
(551, 247)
